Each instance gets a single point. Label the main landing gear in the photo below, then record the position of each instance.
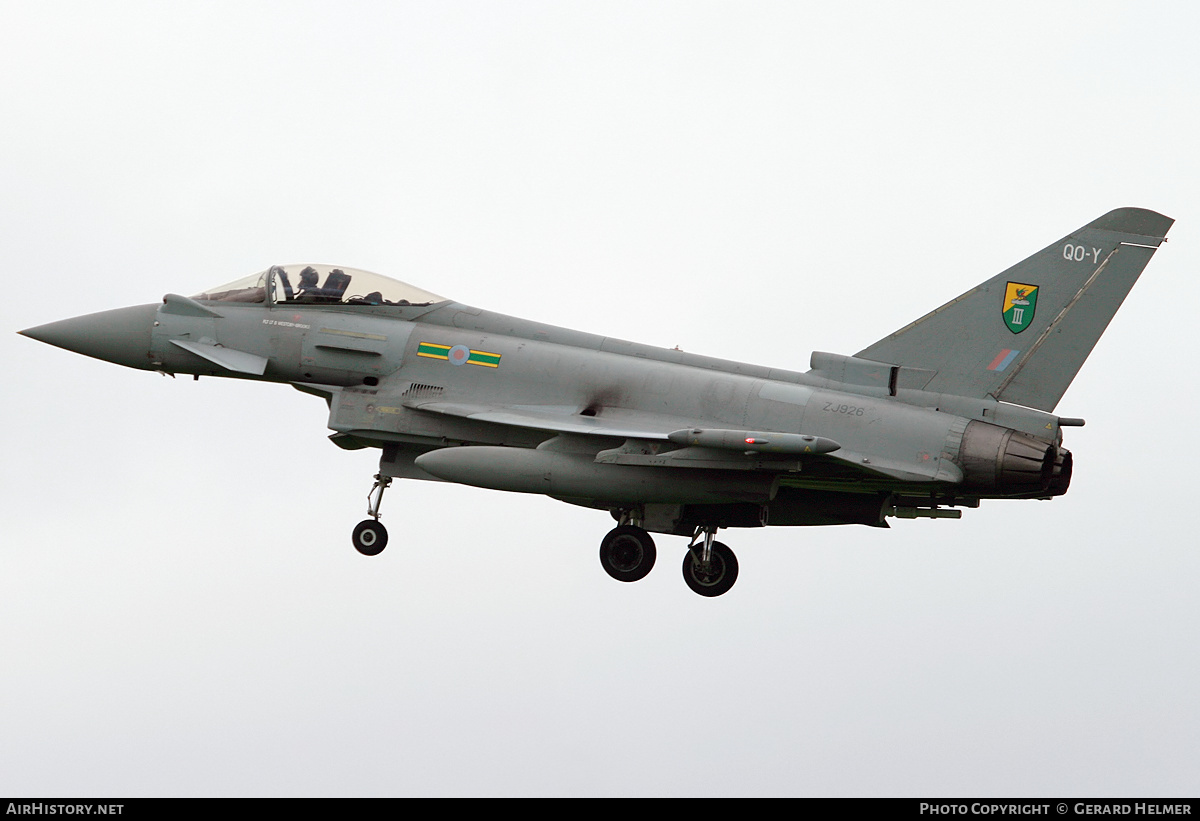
(709, 567)
(370, 536)
(627, 554)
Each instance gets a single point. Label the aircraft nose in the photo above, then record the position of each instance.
(121, 336)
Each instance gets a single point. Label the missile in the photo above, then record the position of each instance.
(745, 440)
(578, 476)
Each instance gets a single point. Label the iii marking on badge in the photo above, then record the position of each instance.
(1020, 301)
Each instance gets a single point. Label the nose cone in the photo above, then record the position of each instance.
(121, 336)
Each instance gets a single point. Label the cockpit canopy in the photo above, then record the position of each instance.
(319, 285)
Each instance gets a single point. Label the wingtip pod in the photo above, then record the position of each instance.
(1140, 221)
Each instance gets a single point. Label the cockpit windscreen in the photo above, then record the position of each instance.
(319, 285)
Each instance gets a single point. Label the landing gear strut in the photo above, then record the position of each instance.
(709, 567)
(370, 537)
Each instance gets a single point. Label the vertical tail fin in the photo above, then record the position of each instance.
(1022, 335)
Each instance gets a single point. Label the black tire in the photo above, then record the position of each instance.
(627, 553)
(717, 578)
(370, 537)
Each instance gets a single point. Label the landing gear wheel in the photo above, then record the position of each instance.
(715, 578)
(627, 553)
(370, 537)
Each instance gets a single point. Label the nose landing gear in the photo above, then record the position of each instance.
(370, 537)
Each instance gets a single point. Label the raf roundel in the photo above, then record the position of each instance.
(459, 355)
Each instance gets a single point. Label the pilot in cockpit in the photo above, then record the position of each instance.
(308, 282)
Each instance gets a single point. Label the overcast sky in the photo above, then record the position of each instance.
(184, 613)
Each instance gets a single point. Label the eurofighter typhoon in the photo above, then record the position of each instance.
(951, 409)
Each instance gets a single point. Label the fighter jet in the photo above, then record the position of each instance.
(953, 408)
